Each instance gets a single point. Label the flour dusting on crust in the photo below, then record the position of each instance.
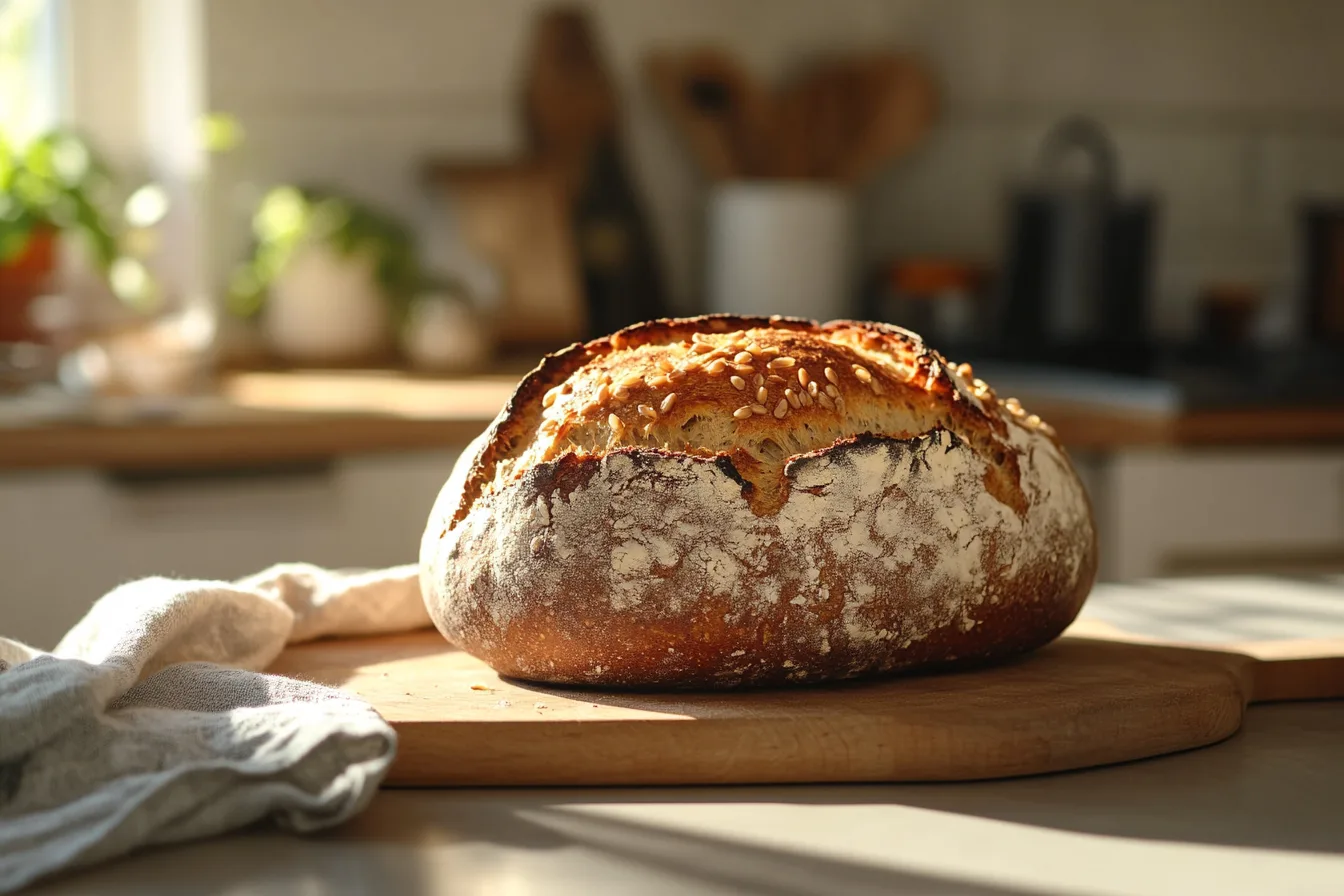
(639, 565)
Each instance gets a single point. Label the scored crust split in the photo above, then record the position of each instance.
(722, 501)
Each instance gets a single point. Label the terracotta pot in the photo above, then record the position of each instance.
(22, 280)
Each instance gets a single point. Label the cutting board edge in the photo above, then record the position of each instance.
(420, 748)
(400, 778)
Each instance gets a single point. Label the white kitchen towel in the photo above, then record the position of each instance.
(151, 722)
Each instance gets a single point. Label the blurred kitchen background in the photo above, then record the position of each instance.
(267, 265)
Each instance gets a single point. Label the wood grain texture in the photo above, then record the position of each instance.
(1094, 697)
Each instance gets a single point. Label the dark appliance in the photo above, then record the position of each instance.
(1077, 271)
(1322, 273)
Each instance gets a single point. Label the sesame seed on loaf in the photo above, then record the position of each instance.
(724, 501)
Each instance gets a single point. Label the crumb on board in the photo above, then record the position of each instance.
(482, 687)
(538, 705)
(503, 704)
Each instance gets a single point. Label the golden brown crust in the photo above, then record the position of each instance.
(721, 501)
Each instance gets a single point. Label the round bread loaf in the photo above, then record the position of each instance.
(720, 501)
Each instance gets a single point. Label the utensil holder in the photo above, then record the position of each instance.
(779, 247)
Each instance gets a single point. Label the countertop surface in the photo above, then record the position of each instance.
(253, 419)
(1260, 813)
(268, 417)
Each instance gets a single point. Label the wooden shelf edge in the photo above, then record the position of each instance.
(217, 445)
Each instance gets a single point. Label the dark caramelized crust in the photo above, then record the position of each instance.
(720, 501)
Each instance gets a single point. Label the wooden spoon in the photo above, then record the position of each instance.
(789, 143)
(818, 120)
(840, 112)
(899, 102)
(717, 106)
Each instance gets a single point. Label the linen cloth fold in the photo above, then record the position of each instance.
(152, 722)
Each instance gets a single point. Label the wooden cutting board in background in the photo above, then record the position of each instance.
(516, 217)
(1095, 696)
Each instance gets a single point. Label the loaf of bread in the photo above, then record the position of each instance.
(719, 502)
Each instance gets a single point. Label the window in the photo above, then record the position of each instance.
(30, 72)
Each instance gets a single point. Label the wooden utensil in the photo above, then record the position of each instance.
(570, 100)
(1095, 696)
(898, 105)
(846, 118)
(573, 118)
(789, 152)
(811, 120)
(720, 111)
(835, 112)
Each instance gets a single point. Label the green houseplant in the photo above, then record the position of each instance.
(328, 277)
(47, 187)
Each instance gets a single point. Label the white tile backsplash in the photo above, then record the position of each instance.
(1227, 110)
(334, 51)
(1218, 54)
(949, 195)
(1304, 164)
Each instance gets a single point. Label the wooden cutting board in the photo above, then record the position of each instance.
(1093, 697)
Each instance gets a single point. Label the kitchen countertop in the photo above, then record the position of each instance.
(257, 419)
(267, 418)
(1260, 813)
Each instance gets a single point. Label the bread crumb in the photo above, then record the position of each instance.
(482, 687)
(538, 705)
(503, 704)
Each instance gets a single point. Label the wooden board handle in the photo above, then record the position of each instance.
(1294, 670)
(1270, 670)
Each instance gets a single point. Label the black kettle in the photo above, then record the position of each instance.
(1076, 279)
